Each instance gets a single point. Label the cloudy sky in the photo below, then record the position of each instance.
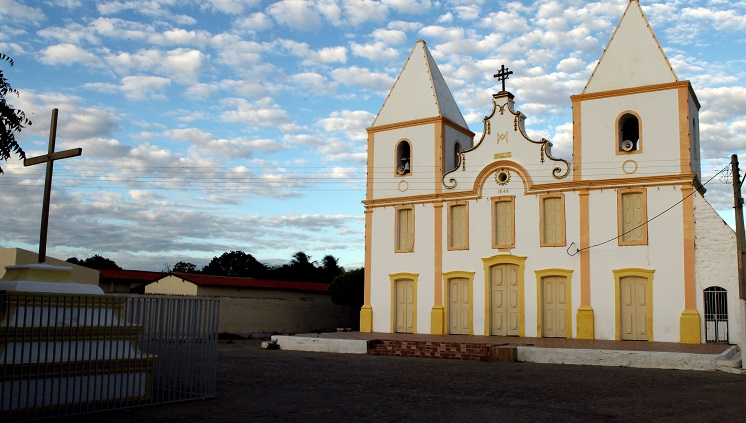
(217, 125)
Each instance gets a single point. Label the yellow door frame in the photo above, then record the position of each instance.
(397, 277)
(640, 273)
(540, 275)
(469, 276)
(489, 262)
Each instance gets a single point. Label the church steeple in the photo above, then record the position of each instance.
(420, 92)
(633, 57)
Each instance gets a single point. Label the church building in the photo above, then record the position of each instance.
(498, 236)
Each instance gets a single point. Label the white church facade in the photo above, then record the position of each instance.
(497, 236)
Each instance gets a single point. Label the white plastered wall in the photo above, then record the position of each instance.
(527, 232)
(660, 142)
(386, 184)
(694, 147)
(664, 254)
(386, 262)
(716, 264)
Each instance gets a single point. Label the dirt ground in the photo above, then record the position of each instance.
(254, 384)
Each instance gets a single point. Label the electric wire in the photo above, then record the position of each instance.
(577, 250)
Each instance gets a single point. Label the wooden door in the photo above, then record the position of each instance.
(554, 310)
(458, 306)
(405, 306)
(505, 297)
(634, 308)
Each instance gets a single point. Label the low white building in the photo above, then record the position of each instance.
(498, 236)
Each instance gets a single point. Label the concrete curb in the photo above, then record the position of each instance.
(728, 361)
(641, 359)
(301, 343)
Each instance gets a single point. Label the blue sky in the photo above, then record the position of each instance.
(217, 125)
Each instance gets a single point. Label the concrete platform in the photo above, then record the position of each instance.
(641, 354)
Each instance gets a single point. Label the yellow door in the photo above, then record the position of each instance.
(554, 311)
(458, 306)
(634, 308)
(505, 300)
(405, 306)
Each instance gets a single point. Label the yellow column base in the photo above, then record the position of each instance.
(437, 320)
(366, 318)
(689, 324)
(585, 323)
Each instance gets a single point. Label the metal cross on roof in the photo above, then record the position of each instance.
(503, 74)
(49, 159)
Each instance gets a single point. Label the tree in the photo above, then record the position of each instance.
(299, 268)
(347, 288)
(330, 268)
(185, 267)
(13, 120)
(96, 262)
(235, 263)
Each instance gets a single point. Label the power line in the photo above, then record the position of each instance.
(577, 250)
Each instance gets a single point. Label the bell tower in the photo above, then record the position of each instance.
(635, 118)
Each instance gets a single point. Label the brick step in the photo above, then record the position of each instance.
(437, 349)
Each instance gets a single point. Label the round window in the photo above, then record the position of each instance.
(502, 176)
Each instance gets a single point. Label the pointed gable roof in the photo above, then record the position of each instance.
(633, 57)
(419, 92)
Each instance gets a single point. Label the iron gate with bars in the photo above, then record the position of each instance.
(716, 314)
(73, 354)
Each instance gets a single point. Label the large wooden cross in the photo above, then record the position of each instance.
(49, 159)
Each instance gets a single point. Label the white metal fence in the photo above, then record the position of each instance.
(63, 354)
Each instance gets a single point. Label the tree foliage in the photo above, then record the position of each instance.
(347, 289)
(235, 263)
(13, 120)
(96, 262)
(299, 268)
(185, 267)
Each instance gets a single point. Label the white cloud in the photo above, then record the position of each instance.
(376, 51)
(255, 22)
(183, 65)
(296, 14)
(12, 10)
(233, 7)
(323, 55)
(360, 77)
(139, 88)
(313, 83)
(350, 122)
(389, 36)
(468, 13)
(68, 54)
(571, 64)
(264, 112)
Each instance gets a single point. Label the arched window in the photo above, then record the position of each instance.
(403, 159)
(456, 150)
(716, 314)
(628, 132)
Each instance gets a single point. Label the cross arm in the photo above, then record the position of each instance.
(54, 156)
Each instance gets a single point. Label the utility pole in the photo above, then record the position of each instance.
(738, 206)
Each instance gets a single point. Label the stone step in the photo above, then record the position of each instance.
(68, 333)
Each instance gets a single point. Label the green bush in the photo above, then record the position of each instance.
(347, 288)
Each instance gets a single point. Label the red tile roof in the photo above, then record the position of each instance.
(130, 275)
(232, 282)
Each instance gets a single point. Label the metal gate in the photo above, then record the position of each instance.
(716, 314)
(73, 354)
